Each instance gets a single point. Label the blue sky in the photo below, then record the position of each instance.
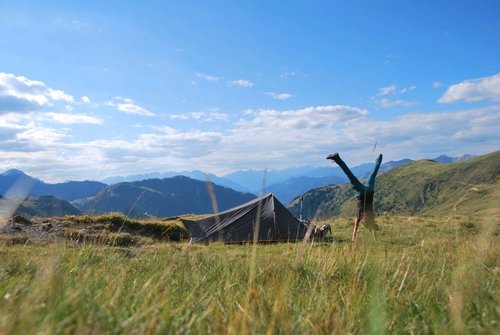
(92, 89)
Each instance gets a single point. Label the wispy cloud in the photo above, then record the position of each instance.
(35, 131)
(486, 88)
(287, 74)
(128, 106)
(279, 96)
(382, 98)
(72, 118)
(389, 59)
(386, 90)
(42, 136)
(436, 84)
(201, 116)
(207, 77)
(387, 103)
(407, 89)
(305, 118)
(241, 83)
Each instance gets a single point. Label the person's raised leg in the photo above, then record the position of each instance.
(371, 178)
(352, 178)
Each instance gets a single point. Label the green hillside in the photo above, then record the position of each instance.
(423, 187)
(36, 206)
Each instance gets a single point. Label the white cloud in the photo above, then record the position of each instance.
(386, 90)
(287, 74)
(34, 120)
(185, 116)
(438, 132)
(390, 58)
(72, 118)
(278, 132)
(392, 89)
(201, 116)
(382, 101)
(60, 95)
(25, 134)
(41, 136)
(85, 99)
(306, 118)
(436, 84)
(15, 121)
(170, 137)
(58, 156)
(218, 117)
(387, 103)
(486, 88)
(248, 111)
(207, 77)
(128, 106)
(20, 94)
(407, 89)
(241, 83)
(279, 96)
(262, 138)
(291, 138)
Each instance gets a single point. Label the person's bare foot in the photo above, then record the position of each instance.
(334, 156)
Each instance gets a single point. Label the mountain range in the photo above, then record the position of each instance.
(174, 195)
(470, 187)
(285, 184)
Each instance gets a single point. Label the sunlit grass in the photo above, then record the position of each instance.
(421, 275)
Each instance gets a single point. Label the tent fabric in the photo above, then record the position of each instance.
(237, 225)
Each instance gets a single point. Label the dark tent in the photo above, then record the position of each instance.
(277, 224)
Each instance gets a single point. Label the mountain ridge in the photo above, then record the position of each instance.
(162, 197)
(15, 183)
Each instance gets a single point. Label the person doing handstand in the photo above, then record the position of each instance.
(365, 195)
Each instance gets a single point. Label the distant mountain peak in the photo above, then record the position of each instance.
(31, 186)
(13, 172)
(448, 159)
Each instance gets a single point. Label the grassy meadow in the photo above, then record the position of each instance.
(421, 275)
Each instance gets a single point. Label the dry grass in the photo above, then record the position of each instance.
(422, 275)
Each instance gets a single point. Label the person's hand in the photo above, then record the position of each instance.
(379, 159)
